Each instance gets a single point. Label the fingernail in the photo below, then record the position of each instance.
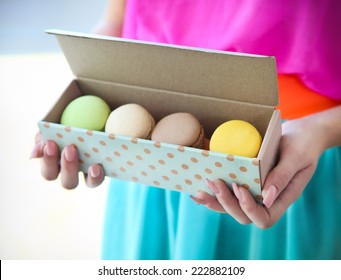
(70, 153)
(269, 195)
(34, 153)
(95, 171)
(49, 148)
(198, 200)
(212, 186)
(236, 191)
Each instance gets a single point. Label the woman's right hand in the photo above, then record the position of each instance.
(66, 163)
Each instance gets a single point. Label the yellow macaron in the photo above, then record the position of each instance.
(236, 137)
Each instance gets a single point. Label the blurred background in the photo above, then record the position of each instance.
(40, 219)
(22, 23)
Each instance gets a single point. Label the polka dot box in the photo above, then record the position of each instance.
(166, 79)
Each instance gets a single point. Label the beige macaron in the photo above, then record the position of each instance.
(180, 129)
(130, 120)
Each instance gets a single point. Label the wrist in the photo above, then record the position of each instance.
(108, 28)
(327, 127)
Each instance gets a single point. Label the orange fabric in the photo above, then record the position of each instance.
(296, 100)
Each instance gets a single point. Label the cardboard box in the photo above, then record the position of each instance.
(215, 86)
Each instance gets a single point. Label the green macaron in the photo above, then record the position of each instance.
(88, 111)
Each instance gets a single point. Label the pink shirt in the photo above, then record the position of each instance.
(304, 35)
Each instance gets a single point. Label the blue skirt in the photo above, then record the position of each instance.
(144, 222)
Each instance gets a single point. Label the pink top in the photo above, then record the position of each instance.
(304, 36)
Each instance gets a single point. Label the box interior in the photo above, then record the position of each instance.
(211, 112)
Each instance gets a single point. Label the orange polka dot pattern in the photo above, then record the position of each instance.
(153, 163)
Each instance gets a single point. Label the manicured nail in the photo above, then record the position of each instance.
(37, 150)
(95, 171)
(198, 200)
(34, 153)
(49, 148)
(212, 186)
(236, 191)
(269, 195)
(70, 153)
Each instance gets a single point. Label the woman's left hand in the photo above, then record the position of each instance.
(300, 147)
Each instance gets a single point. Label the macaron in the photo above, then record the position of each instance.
(236, 137)
(88, 111)
(206, 144)
(130, 120)
(179, 129)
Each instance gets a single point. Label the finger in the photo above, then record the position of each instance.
(277, 179)
(264, 217)
(258, 214)
(291, 193)
(95, 175)
(69, 167)
(209, 201)
(228, 200)
(49, 166)
(224, 201)
(38, 149)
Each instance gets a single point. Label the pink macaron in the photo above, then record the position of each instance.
(180, 129)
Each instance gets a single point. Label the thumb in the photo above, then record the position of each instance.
(276, 181)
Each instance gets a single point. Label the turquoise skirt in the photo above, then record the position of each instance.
(144, 222)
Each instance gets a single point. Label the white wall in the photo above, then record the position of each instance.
(39, 219)
(22, 23)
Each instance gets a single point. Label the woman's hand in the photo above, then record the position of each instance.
(66, 163)
(301, 145)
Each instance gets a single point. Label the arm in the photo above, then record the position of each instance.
(111, 23)
(302, 143)
(330, 123)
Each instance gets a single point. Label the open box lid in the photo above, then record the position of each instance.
(217, 74)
